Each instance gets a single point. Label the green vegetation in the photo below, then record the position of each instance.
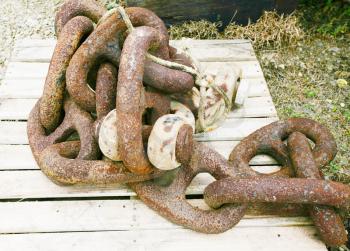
(327, 17)
(306, 61)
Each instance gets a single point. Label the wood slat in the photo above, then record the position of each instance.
(106, 215)
(235, 129)
(32, 42)
(19, 157)
(207, 51)
(16, 157)
(19, 109)
(238, 238)
(25, 70)
(15, 133)
(249, 69)
(33, 88)
(34, 184)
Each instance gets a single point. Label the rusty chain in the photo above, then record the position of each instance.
(103, 93)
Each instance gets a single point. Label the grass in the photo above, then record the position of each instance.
(306, 61)
(306, 86)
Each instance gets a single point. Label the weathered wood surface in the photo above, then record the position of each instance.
(178, 11)
(259, 238)
(105, 218)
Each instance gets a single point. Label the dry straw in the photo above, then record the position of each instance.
(271, 30)
(196, 30)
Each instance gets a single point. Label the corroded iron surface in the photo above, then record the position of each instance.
(103, 97)
(55, 85)
(81, 89)
(328, 222)
(238, 185)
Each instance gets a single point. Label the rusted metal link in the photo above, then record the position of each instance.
(75, 162)
(75, 119)
(237, 183)
(104, 44)
(72, 8)
(328, 222)
(52, 99)
(59, 162)
(269, 140)
(247, 187)
(282, 190)
(106, 86)
(170, 201)
(129, 99)
(157, 103)
(169, 80)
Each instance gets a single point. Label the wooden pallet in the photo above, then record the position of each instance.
(36, 214)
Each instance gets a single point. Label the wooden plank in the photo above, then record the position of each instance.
(15, 133)
(238, 238)
(50, 42)
(235, 129)
(205, 51)
(19, 109)
(217, 51)
(16, 157)
(257, 107)
(106, 215)
(25, 70)
(21, 88)
(249, 69)
(39, 54)
(33, 42)
(16, 109)
(33, 88)
(35, 185)
(19, 157)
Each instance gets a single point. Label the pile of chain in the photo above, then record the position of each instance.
(104, 100)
